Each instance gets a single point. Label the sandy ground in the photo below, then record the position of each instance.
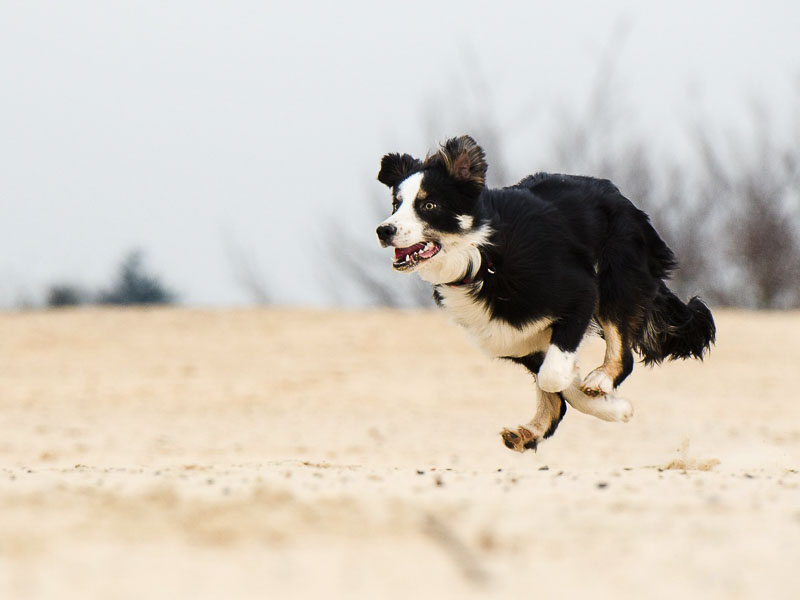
(290, 454)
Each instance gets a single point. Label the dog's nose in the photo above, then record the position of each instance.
(385, 233)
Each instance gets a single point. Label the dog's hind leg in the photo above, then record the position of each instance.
(631, 264)
(549, 412)
(607, 407)
(617, 365)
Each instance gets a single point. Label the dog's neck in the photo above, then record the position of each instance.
(459, 259)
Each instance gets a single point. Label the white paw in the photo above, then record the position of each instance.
(597, 383)
(558, 370)
(611, 408)
(620, 409)
(607, 408)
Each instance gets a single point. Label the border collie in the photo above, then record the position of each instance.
(530, 270)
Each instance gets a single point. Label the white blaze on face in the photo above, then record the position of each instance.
(409, 226)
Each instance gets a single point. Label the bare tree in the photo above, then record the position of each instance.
(247, 271)
(731, 212)
(757, 184)
(732, 215)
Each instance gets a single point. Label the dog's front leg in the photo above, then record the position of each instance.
(550, 410)
(560, 369)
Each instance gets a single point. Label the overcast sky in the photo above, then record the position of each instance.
(186, 127)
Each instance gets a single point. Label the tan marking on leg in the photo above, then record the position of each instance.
(613, 359)
(527, 437)
(601, 380)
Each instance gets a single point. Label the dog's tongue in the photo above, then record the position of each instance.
(403, 252)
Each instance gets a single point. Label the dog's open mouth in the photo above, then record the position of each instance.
(406, 258)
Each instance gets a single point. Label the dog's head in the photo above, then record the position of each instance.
(433, 223)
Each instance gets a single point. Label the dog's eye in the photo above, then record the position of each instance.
(429, 206)
(395, 206)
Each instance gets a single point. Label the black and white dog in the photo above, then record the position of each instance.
(530, 270)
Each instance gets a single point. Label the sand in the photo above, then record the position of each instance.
(277, 453)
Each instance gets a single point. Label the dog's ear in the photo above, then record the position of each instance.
(396, 167)
(463, 159)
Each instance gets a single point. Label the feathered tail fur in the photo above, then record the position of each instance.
(673, 329)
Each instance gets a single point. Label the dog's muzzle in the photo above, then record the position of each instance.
(385, 233)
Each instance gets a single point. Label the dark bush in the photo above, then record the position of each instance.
(65, 294)
(135, 286)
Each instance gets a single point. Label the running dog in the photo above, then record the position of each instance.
(532, 269)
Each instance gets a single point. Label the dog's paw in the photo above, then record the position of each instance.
(525, 437)
(607, 407)
(612, 408)
(615, 409)
(623, 408)
(597, 383)
(558, 371)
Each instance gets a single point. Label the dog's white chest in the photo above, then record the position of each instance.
(494, 336)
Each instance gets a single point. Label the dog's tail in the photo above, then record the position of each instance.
(673, 329)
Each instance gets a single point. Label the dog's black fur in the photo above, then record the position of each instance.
(567, 248)
(551, 231)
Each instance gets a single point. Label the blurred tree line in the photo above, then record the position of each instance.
(132, 285)
(729, 205)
